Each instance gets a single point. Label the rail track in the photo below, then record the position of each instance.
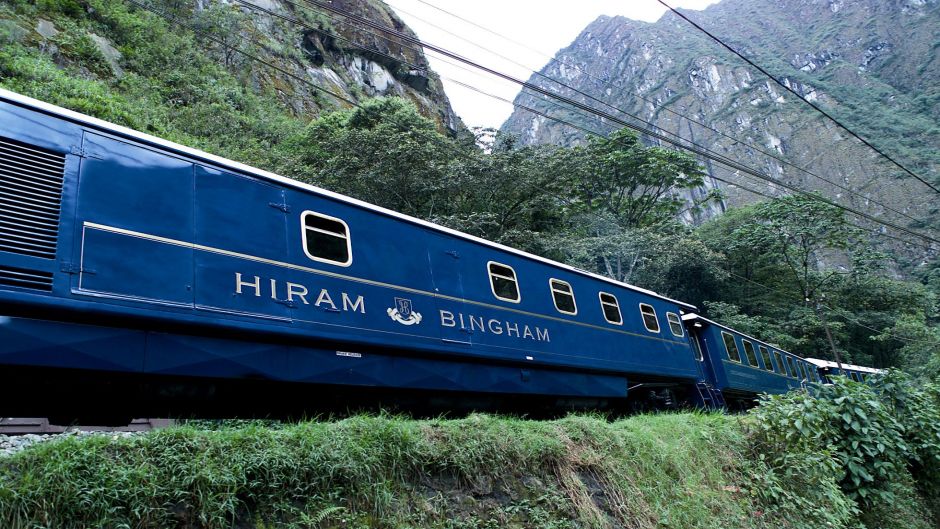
(40, 425)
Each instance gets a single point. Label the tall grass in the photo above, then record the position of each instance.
(366, 471)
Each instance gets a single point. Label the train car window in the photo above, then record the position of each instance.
(503, 282)
(650, 321)
(802, 369)
(563, 296)
(749, 353)
(791, 367)
(765, 356)
(326, 239)
(611, 308)
(675, 324)
(697, 349)
(780, 367)
(731, 347)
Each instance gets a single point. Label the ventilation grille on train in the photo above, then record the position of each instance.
(18, 277)
(30, 195)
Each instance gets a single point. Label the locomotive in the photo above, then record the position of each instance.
(139, 277)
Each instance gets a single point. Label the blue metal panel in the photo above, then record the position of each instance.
(161, 236)
(225, 283)
(444, 261)
(134, 188)
(43, 131)
(28, 342)
(198, 356)
(117, 264)
(129, 197)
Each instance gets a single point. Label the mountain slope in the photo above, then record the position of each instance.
(871, 63)
(235, 81)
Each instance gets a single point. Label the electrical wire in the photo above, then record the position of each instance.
(371, 50)
(654, 104)
(840, 314)
(305, 81)
(312, 85)
(693, 148)
(797, 94)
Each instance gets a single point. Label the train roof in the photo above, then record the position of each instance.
(693, 317)
(850, 367)
(47, 108)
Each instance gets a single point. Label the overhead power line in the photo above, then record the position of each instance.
(342, 98)
(728, 162)
(852, 320)
(797, 94)
(594, 133)
(523, 107)
(651, 102)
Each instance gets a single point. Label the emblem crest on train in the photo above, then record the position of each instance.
(403, 312)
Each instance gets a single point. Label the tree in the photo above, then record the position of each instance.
(383, 152)
(635, 185)
(797, 230)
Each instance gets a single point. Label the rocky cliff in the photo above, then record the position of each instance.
(107, 42)
(350, 60)
(871, 63)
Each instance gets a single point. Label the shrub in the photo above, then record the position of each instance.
(879, 442)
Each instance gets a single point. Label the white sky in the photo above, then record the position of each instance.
(543, 27)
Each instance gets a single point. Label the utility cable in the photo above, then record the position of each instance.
(581, 106)
(797, 94)
(254, 57)
(653, 103)
(307, 82)
(602, 117)
(601, 136)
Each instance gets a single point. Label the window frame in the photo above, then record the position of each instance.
(744, 344)
(515, 279)
(791, 367)
(696, 348)
(551, 288)
(778, 359)
(303, 231)
(737, 351)
(765, 356)
(659, 328)
(600, 298)
(669, 316)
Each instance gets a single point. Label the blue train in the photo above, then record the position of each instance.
(141, 277)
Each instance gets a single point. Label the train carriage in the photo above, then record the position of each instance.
(141, 276)
(743, 366)
(827, 369)
(203, 267)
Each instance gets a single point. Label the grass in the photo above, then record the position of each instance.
(366, 471)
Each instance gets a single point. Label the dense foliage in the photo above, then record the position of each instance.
(870, 451)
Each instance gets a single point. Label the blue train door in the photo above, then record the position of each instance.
(701, 353)
(134, 223)
(445, 263)
(241, 237)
